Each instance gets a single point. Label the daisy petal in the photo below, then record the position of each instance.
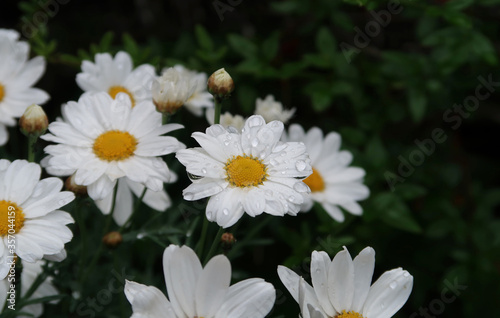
(364, 265)
(341, 281)
(147, 301)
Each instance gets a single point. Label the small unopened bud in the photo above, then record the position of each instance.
(171, 91)
(78, 190)
(34, 121)
(227, 241)
(220, 84)
(112, 239)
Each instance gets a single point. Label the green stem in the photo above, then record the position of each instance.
(83, 236)
(165, 118)
(31, 147)
(105, 230)
(136, 207)
(215, 244)
(201, 243)
(218, 107)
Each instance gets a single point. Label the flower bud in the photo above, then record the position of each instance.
(112, 239)
(227, 241)
(220, 84)
(171, 91)
(78, 190)
(34, 121)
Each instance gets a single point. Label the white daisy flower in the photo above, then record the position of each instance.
(101, 139)
(172, 90)
(117, 75)
(252, 171)
(333, 183)
(227, 119)
(29, 218)
(272, 110)
(194, 291)
(341, 287)
(28, 276)
(200, 98)
(159, 200)
(17, 75)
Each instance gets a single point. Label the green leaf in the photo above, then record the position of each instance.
(203, 38)
(106, 41)
(270, 46)
(393, 211)
(325, 42)
(375, 150)
(410, 191)
(130, 45)
(417, 102)
(242, 45)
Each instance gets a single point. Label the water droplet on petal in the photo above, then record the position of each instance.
(291, 198)
(406, 274)
(393, 284)
(204, 171)
(318, 270)
(301, 165)
(188, 196)
(209, 215)
(226, 143)
(255, 142)
(273, 162)
(254, 121)
(225, 211)
(193, 177)
(283, 154)
(62, 202)
(301, 187)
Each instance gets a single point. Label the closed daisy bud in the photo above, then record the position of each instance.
(227, 240)
(79, 190)
(171, 91)
(34, 121)
(112, 239)
(220, 84)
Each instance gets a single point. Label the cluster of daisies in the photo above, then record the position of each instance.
(110, 143)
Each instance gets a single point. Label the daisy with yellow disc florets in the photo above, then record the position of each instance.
(17, 75)
(341, 287)
(252, 171)
(31, 226)
(196, 291)
(102, 139)
(117, 75)
(333, 183)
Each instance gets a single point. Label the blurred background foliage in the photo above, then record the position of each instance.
(381, 91)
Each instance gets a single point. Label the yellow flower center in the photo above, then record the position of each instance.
(2, 92)
(114, 145)
(245, 171)
(114, 90)
(349, 314)
(11, 218)
(315, 181)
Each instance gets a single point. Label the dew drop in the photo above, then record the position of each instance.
(406, 274)
(300, 165)
(283, 172)
(188, 196)
(283, 154)
(255, 142)
(393, 284)
(225, 212)
(273, 162)
(318, 270)
(301, 187)
(255, 121)
(140, 236)
(62, 202)
(193, 177)
(291, 198)
(204, 171)
(209, 215)
(227, 142)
